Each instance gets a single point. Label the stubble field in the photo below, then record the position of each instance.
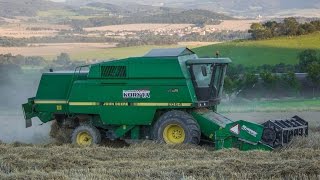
(117, 160)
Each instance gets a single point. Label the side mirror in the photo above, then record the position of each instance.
(204, 70)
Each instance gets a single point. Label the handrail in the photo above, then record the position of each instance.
(73, 78)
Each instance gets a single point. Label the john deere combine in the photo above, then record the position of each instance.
(168, 95)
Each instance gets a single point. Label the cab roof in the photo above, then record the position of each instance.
(169, 52)
(209, 61)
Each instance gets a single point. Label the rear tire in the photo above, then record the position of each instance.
(86, 135)
(176, 127)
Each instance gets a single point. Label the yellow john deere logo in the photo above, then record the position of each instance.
(59, 107)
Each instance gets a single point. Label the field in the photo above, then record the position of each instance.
(311, 12)
(123, 52)
(51, 50)
(234, 25)
(272, 51)
(139, 27)
(61, 14)
(17, 29)
(47, 159)
(280, 105)
(84, 51)
(152, 161)
(22, 33)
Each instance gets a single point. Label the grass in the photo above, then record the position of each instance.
(154, 161)
(121, 52)
(296, 105)
(272, 51)
(58, 12)
(62, 14)
(147, 160)
(118, 52)
(114, 53)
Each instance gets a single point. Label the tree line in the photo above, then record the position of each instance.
(192, 16)
(265, 80)
(288, 27)
(275, 80)
(142, 38)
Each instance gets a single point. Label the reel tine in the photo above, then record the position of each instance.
(285, 130)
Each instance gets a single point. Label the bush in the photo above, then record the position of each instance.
(306, 58)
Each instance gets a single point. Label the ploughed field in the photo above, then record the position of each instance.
(117, 160)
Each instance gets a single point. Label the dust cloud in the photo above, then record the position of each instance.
(15, 89)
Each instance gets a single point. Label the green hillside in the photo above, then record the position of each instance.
(273, 51)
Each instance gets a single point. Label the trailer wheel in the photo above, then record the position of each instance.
(86, 135)
(176, 127)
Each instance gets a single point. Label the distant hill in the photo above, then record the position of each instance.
(247, 8)
(135, 13)
(9, 8)
(100, 14)
(273, 51)
(131, 9)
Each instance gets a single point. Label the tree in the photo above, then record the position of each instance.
(35, 60)
(63, 59)
(316, 24)
(234, 71)
(269, 79)
(273, 26)
(306, 28)
(307, 57)
(258, 31)
(250, 80)
(290, 26)
(229, 85)
(291, 81)
(313, 70)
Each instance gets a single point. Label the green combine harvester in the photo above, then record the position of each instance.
(168, 95)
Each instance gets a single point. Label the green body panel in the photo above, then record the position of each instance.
(53, 92)
(100, 92)
(207, 126)
(122, 130)
(55, 84)
(135, 133)
(115, 110)
(245, 135)
(143, 67)
(124, 97)
(165, 78)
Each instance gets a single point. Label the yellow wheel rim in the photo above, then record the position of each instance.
(174, 134)
(84, 139)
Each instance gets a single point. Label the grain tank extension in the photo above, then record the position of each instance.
(168, 95)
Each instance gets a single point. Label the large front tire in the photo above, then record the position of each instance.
(176, 127)
(86, 135)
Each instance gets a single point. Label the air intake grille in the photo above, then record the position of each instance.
(113, 71)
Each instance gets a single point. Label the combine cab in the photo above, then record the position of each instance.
(168, 95)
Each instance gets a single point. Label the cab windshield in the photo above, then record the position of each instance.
(208, 79)
(201, 79)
